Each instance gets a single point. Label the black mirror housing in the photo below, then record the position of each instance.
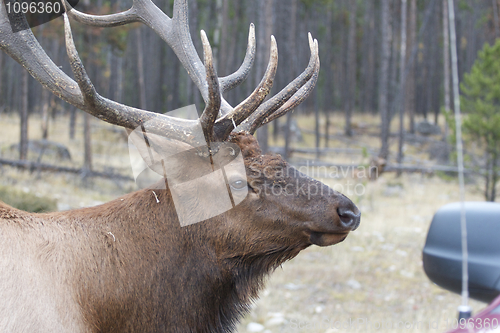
(442, 253)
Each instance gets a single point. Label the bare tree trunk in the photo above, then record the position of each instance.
(291, 70)
(430, 60)
(487, 177)
(471, 35)
(276, 129)
(45, 114)
(267, 7)
(224, 55)
(410, 87)
(13, 79)
(446, 64)
(383, 78)
(494, 178)
(119, 73)
(327, 99)
(217, 32)
(2, 101)
(175, 87)
(495, 18)
(276, 124)
(351, 70)
(140, 70)
(72, 121)
(393, 63)
(316, 122)
(23, 142)
(193, 16)
(491, 177)
(47, 99)
(402, 60)
(368, 62)
(327, 130)
(116, 77)
(87, 139)
(339, 60)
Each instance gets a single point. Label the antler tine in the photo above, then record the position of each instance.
(104, 21)
(227, 123)
(292, 103)
(183, 45)
(214, 97)
(231, 81)
(23, 47)
(122, 115)
(175, 32)
(292, 91)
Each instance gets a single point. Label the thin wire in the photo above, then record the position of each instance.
(460, 155)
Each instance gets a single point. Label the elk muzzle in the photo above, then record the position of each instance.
(330, 215)
(349, 214)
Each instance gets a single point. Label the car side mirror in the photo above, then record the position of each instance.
(442, 253)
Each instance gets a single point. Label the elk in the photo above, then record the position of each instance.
(128, 265)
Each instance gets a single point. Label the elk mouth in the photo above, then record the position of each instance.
(326, 238)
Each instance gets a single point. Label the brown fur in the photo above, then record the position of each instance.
(128, 266)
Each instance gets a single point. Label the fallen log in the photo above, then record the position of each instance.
(34, 166)
(387, 168)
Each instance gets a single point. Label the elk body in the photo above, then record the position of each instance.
(128, 265)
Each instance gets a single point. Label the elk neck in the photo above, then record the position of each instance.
(134, 245)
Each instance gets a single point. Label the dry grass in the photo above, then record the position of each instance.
(375, 275)
(110, 153)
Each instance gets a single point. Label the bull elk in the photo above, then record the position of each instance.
(128, 265)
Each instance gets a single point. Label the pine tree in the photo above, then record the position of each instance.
(481, 106)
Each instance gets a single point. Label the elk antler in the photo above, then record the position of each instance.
(219, 118)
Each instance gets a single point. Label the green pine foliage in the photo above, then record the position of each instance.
(480, 102)
(481, 97)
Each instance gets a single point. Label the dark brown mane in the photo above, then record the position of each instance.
(248, 144)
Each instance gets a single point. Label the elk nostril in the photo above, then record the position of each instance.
(348, 218)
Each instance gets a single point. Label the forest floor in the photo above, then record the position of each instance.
(371, 282)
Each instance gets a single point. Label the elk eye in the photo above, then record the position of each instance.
(238, 184)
